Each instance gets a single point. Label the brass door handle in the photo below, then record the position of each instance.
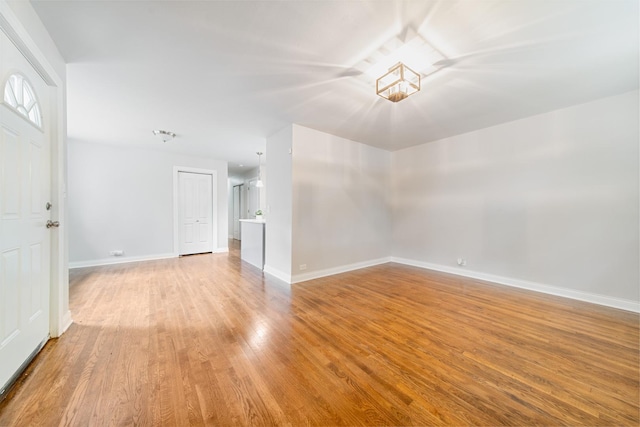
(51, 224)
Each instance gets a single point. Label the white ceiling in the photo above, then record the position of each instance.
(224, 75)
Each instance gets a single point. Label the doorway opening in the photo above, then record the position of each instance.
(237, 210)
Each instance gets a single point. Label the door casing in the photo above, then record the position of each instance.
(176, 206)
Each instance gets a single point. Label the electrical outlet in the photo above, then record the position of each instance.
(116, 253)
(462, 262)
(303, 267)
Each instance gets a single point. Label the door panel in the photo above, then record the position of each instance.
(11, 163)
(33, 293)
(188, 233)
(35, 178)
(25, 186)
(195, 208)
(10, 302)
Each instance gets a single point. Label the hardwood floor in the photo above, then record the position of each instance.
(207, 340)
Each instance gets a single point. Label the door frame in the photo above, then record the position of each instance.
(176, 206)
(59, 314)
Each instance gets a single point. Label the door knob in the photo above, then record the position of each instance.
(51, 224)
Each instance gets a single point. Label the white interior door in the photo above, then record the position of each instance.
(25, 187)
(237, 210)
(195, 208)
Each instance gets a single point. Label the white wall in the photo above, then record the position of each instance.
(122, 199)
(279, 205)
(546, 201)
(341, 212)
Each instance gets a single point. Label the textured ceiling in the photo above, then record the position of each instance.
(224, 75)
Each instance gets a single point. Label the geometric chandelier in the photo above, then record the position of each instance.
(398, 83)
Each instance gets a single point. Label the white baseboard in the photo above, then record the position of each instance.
(60, 325)
(277, 274)
(123, 260)
(619, 303)
(297, 278)
(66, 322)
(118, 260)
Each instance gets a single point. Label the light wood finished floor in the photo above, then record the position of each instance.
(207, 340)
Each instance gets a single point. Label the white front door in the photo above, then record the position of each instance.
(195, 208)
(25, 188)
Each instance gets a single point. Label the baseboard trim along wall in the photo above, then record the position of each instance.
(297, 278)
(124, 260)
(118, 260)
(619, 303)
(281, 275)
(66, 322)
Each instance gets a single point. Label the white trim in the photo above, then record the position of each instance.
(214, 205)
(608, 301)
(13, 28)
(297, 278)
(64, 325)
(11, 25)
(221, 250)
(277, 274)
(59, 306)
(119, 260)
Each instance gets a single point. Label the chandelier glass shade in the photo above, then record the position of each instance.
(165, 135)
(259, 183)
(398, 83)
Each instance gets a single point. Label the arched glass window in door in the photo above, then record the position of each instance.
(19, 95)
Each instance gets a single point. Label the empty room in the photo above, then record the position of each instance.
(320, 212)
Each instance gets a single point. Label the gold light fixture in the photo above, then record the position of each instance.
(398, 83)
